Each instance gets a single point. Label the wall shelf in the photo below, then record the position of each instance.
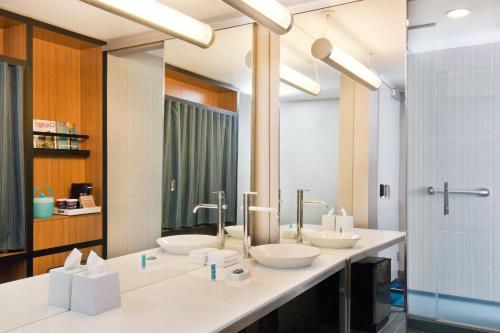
(62, 135)
(61, 152)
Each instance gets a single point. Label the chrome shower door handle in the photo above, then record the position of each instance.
(446, 199)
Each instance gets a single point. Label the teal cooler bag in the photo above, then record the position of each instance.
(44, 203)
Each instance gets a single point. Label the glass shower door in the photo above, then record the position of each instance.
(453, 100)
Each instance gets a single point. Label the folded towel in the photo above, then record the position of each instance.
(224, 260)
(198, 261)
(201, 253)
(224, 264)
(222, 254)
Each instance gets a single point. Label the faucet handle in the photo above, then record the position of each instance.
(302, 190)
(250, 193)
(217, 192)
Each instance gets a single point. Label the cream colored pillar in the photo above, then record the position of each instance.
(265, 133)
(354, 165)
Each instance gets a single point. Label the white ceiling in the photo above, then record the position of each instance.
(373, 31)
(480, 27)
(85, 19)
(375, 27)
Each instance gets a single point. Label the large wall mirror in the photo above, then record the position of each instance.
(206, 147)
(309, 121)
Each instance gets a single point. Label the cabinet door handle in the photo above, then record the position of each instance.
(172, 185)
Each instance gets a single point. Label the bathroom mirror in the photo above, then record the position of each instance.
(206, 147)
(309, 121)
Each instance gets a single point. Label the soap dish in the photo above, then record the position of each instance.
(238, 274)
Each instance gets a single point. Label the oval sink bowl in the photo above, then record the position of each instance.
(332, 239)
(182, 244)
(285, 255)
(235, 231)
(291, 233)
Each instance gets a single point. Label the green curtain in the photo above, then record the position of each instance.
(200, 154)
(12, 203)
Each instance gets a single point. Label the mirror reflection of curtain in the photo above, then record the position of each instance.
(200, 150)
(12, 205)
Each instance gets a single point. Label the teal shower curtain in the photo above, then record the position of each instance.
(12, 203)
(200, 151)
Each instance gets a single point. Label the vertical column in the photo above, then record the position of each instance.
(355, 158)
(265, 133)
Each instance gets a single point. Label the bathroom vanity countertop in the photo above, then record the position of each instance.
(191, 302)
(25, 301)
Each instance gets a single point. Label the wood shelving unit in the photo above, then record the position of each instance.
(63, 76)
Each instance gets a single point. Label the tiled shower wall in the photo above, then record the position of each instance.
(135, 141)
(454, 135)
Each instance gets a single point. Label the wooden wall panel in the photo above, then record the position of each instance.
(197, 90)
(41, 265)
(13, 270)
(63, 230)
(12, 38)
(91, 116)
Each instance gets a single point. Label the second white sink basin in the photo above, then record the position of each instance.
(332, 239)
(182, 244)
(284, 255)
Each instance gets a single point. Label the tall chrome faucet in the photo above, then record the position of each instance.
(247, 225)
(221, 218)
(300, 211)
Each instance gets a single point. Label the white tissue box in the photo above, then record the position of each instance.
(94, 294)
(344, 222)
(60, 283)
(328, 222)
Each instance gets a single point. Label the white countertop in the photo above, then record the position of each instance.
(172, 293)
(191, 302)
(25, 301)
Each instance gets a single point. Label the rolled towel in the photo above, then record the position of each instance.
(226, 263)
(198, 261)
(222, 255)
(201, 253)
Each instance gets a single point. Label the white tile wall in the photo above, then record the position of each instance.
(454, 135)
(135, 140)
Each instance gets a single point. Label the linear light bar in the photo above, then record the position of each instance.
(269, 13)
(334, 56)
(157, 16)
(298, 80)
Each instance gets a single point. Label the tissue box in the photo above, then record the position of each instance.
(60, 283)
(94, 294)
(328, 222)
(344, 222)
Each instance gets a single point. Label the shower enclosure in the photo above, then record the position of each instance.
(453, 168)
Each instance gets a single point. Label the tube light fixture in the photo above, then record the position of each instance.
(334, 56)
(299, 81)
(269, 13)
(156, 15)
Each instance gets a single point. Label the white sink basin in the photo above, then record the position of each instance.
(284, 255)
(182, 244)
(291, 233)
(235, 231)
(332, 239)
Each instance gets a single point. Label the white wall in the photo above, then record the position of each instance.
(135, 139)
(244, 149)
(389, 110)
(309, 156)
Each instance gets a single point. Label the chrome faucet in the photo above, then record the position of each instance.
(221, 207)
(300, 211)
(247, 225)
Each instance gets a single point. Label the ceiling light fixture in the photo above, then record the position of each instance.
(458, 13)
(269, 13)
(299, 81)
(157, 16)
(334, 56)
